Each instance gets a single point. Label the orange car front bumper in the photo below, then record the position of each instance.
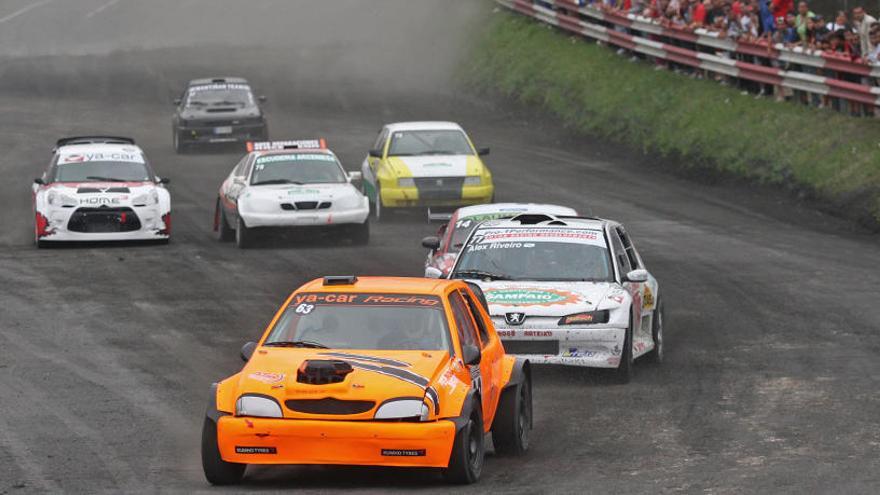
(291, 441)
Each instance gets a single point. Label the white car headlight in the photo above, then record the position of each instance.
(406, 182)
(473, 180)
(403, 408)
(150, 198)
(60, 199)
(255, 405)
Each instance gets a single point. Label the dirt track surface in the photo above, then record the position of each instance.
(107, 352)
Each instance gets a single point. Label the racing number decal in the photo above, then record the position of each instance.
(304, 309)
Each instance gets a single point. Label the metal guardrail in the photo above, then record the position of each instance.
(705, 50)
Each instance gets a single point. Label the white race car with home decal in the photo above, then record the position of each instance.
(100, 188)
(570, 291)
(290, 184)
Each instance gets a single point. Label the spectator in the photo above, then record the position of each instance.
(862, 22)
(698, 17)
(851, 44)
(840, 22)
(837, 42)
(873, 56)
(818, 33)
(768, 22)
(715, 11)
(781, 8)
(804, 14)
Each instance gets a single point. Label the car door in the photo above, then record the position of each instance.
(492, 350)
(624, 266)
(648, 289)
(370, 167)
(237, 184)
(481, 374)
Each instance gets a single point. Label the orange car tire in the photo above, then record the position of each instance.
(513, 421)
(468, 452)
(217, 471)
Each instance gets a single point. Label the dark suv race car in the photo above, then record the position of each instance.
(218, 110)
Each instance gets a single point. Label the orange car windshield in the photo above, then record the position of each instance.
(365, 321)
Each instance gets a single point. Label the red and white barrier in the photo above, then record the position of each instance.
(802, 81)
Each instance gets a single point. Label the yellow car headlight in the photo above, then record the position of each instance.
(406, 182)
(473, 180)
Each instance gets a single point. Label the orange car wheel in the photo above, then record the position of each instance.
(217, 471)
(468, 452)
(513, 425)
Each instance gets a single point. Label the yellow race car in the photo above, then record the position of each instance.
(425, 164)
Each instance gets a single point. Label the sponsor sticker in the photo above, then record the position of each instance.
(217, 87)
(255, 450)
(69, 158)
(266, 377)
(530, 297)
(331, 298)
(579, 236)
(404, 452)
(294, 157)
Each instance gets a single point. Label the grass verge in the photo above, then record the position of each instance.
(829, 157)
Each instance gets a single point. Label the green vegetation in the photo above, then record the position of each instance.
(834, 157)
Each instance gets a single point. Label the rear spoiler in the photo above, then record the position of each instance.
(314, 144)
(439, 216)
(93, 140)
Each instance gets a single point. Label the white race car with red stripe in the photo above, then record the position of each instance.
(100, 188)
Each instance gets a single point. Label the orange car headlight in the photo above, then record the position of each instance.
(260, 406)
(403, 409)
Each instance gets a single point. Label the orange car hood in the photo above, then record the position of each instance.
(378, 376)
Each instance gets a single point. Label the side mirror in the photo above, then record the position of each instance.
(39, 181)
(247, 351)
(471, 354)
(163, 180)
(375, 153)
(262, 99)
(355, 176)
(177, 102)
(637, 276)
(433, 272)
(431, 242)
(483, 151)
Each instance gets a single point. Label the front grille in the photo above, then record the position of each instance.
(89, 190)
(329, 405)
(439, 187)
(531, 346)
(103, 220)
(306, 205)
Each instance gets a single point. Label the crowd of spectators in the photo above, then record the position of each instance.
(854, 35)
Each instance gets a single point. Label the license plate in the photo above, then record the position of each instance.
(223, 130)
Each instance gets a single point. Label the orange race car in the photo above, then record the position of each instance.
(371, 371)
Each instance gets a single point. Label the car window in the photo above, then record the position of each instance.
(429, 142)
(220, 95)
(239, 169)
(380, 140)
(631, 253)
(559, 254)
(464, 323)
(110, 166)
(473, 306)
(620, 254)
(373, 321)
(248, 163)
(297, 168)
